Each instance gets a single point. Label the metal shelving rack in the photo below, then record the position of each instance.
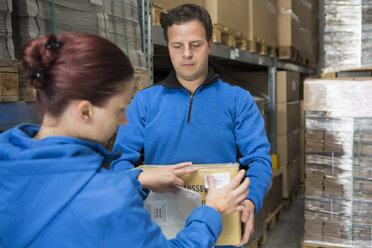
(220, 51)
(15, 113)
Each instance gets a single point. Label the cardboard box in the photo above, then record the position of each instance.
(273, 198)
(9, 88)
(288, 148)
(287, 84)
(276, 190)
(314, 6)
(285, 5)
(262, 20)
(340, 97)
(288, 24)
(291, 177)
(304, 13)
(288, 117)
(306, 46)
(228, 13)
(222, 173)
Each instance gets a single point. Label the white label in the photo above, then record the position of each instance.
(220, 179)
(232, 54)
(237, 52)
(293, 85)
(158, 210)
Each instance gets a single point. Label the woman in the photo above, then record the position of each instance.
(54, 190)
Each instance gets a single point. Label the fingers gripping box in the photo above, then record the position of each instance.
(222, 175)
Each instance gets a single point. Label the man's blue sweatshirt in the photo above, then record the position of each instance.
(219, 123)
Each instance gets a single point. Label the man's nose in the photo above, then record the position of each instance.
(187, 52)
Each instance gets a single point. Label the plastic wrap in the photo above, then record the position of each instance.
(6, 40)
(347, 34)
(268, 4)
(170, 211)
(338, 159)
(34, 18)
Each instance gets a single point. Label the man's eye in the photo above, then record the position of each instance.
(177, 47)
(196, 45)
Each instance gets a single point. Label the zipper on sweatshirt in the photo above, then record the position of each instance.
(190, 107)
(192, 98)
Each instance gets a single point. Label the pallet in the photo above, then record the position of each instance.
(9, 86)
(253, 244)
(360, 72)
(224, 35)
(293, 195)
(26, 92)
(290, 53)
(313, 64)
(271, 50)
(158, 14)
(265, 48)
(141, 79)
(260, 240)
(276, 215)
(308, 245)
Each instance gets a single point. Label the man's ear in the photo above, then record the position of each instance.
(210, 45)
(84, 111)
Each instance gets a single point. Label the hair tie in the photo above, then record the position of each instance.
(52, 44)
(39, 75)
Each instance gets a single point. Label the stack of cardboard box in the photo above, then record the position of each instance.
(255, 19)
(338, 196)
(115, 20)
(297, 26)
(288, 129)
(287, 121)
(6, 40)
(347, 35)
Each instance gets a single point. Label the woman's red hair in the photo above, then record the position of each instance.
(82, 66)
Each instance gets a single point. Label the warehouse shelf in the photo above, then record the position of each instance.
(14, 113)
(225, 52)
(152, 36)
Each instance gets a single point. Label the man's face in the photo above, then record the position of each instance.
(189, 50)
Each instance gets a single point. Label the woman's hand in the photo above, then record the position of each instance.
(228, 199)
(165, 178)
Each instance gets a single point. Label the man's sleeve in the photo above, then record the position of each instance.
(254, 147)
(130, 138)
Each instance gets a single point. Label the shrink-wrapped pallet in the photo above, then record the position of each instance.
(338, 162)
(347, 34)
(115, 20)
(6, 40)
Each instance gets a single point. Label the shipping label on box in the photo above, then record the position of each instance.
(222, 175)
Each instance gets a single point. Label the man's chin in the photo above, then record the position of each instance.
(187, 76)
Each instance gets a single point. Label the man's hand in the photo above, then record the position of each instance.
(165, 178)
(248, 221)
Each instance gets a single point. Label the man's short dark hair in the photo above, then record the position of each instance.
(187, 13)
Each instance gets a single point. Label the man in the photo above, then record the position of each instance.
(194, 116)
